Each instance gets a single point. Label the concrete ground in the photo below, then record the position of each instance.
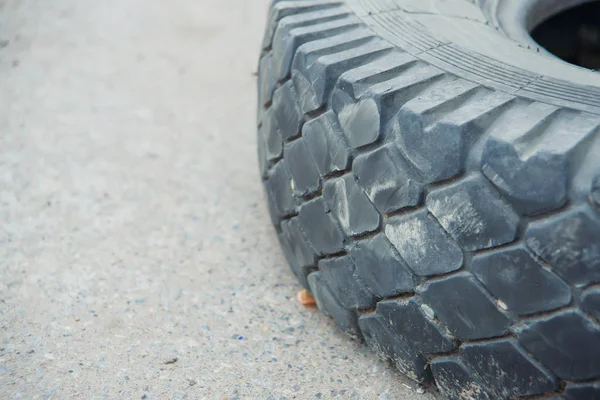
(136, 255)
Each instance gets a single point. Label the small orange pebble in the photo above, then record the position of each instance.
(306, 299)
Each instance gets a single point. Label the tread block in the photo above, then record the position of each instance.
(385, 177)
(595, 191)
(340, 275)
(355, 82)
(266, 83)
(590, 301)
(514, 277)
(569, 243)
(473, 214)
(273, 211)
(284, 9)
(302, 168)
(424, 109)
(381, 267)
(505, 368)
(583, 391)
(346, 320)
(349, 204)
(456, 382)
(425, 147)
(261, 147)
(320, 229)
(408, 321)
(423, 244)
(315, 73)
(280, 190)
(387, 347)
(439, 151)
(309, 53)
(361, 123)
(297, 250)
(395, 92)
(465, 308)
(290, 35)
(326, 144)
(360, 111)
(566, 343)
(272, 136)
(527, 156)
(287, 112)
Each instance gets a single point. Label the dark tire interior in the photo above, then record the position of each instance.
(573, 35)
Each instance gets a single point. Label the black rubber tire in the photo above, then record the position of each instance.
(442, 204)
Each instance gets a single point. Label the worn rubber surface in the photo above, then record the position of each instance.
(440, 204)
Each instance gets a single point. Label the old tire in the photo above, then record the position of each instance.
(435, 183)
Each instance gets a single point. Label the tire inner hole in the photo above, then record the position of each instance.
(573, 35)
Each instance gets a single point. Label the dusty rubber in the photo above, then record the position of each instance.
(439, 204)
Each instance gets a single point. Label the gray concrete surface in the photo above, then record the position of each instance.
(133, 228)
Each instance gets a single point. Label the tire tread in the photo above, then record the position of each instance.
(362, 143)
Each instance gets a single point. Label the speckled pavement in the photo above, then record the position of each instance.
(137, 260)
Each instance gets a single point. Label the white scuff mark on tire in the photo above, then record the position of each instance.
(463, 218)
(501, 304)
(408, 237)
(343, 209)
